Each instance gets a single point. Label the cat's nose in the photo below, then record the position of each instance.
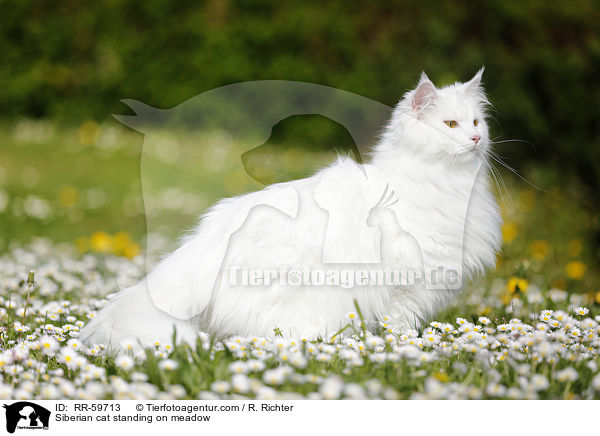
(476, 139)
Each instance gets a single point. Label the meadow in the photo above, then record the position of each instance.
(72, 208)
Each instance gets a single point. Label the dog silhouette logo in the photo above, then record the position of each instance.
(26, 415)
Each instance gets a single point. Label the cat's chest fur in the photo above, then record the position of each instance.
(449, 211)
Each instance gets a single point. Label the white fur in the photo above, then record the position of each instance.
(445, 209)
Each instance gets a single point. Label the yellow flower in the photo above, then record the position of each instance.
(597, 297)
(539, 249)
(509, 232)
(575, 270)
(132, 250)
(101, 242)
(441, 376)
(120, 242)
(574, 247)
(516, 284)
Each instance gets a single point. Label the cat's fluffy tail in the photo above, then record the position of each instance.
(132, 317)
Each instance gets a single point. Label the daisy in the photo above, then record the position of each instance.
(351, 316)
(273, 376)
(68, 357)
(168, 364)
(539, 382)
(596, 382)
(238, 367)
(332, 388)
(255, 365)
(240, 383)
(567, 375)
(124, 362)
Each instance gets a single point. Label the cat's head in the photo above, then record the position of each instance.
(444, 122)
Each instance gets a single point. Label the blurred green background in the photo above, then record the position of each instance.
(70, 172)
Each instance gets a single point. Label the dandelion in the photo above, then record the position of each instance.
(575, 270)
(441, 376)
(101, 242)
(516, 285)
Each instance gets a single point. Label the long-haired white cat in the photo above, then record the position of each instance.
(423, 201)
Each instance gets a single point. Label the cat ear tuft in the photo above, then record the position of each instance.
(424, 94)
(476, 80)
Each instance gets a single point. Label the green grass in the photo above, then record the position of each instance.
(546, 247)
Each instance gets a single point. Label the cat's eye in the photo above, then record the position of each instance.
(475, 122)
(452, 124)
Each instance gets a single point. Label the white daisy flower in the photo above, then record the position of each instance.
(168, 364)
(567, 375)
(124, 362)
(220, 387)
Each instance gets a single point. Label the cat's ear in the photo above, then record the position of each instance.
(424, 94)
(476, 80)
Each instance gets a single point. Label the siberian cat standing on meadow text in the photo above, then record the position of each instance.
(423, 200)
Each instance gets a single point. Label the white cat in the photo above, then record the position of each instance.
(432, 154)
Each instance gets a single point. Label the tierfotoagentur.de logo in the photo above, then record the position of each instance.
(25, 415)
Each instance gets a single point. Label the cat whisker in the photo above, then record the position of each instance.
(508, 167)
(499, 182)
